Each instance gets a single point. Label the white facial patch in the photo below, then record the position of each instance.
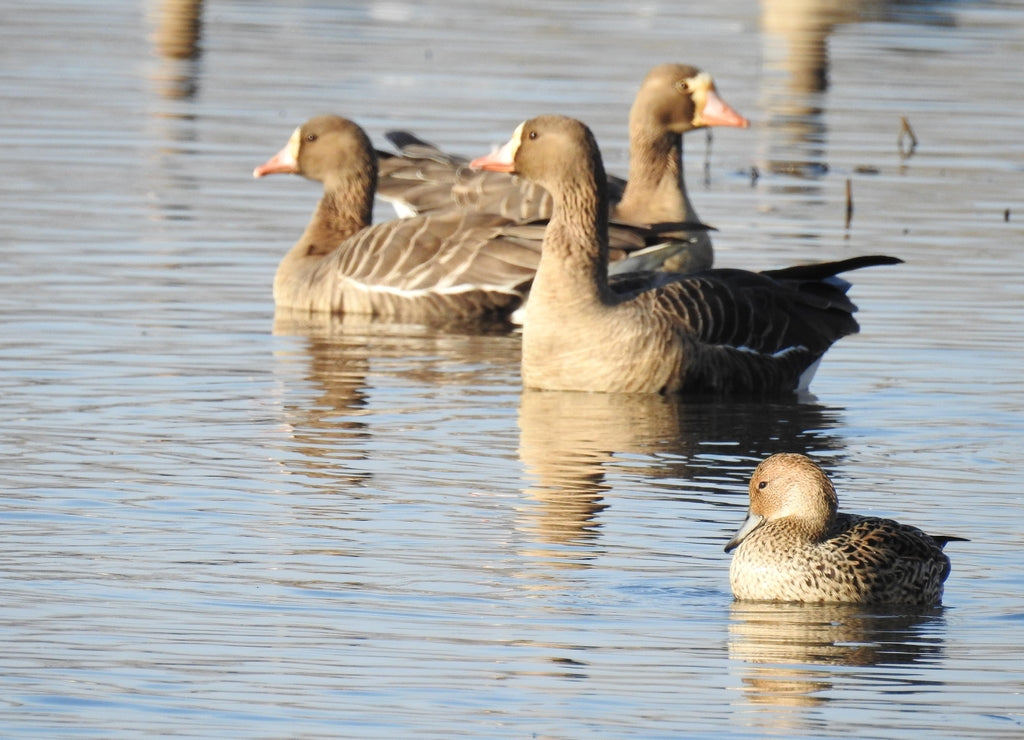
(514, 142)
(699, 85)
(294, 142)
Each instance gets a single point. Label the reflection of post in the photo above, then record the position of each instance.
(176, 39)
(786, 649)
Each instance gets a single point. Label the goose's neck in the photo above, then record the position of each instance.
(656, 191)
(574, 256)
(345, 208)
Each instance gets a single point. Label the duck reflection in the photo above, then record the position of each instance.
(338, 367)
(176, 41)
(340, 355)
(796, 37)
(174, 76)
(569, 441)
(787, 651)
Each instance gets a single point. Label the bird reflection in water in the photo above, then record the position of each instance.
(786, 653)
(343, 357)
(566, 440)
(178, 30)
(569, 442)
(174, 75)
(796, 36)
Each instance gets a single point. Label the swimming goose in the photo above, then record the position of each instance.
(717, 331)
(796, 546)
(672, 99)
(451, 264)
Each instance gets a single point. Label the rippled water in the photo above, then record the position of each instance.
(218, 521)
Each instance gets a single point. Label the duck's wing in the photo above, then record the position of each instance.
(888, 554)
(443, 266)
(766, 312)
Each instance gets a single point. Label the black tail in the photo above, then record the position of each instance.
(824, 270)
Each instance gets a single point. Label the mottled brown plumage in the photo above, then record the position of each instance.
(717, 331)
(796, 546)
(672, 100)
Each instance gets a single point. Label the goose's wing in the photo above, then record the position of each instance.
(753, 332)
(804, 306)
(439, 251)
(421, 178)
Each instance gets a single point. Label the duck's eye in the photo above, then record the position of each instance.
(532, 135)
(683, 86)
(310, 138)
(762, 485)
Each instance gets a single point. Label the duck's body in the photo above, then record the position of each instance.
(717, 331)
(796, 546)
(672, 100)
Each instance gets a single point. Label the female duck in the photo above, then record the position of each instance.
(796, 546)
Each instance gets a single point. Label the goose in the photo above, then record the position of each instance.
(796, 546)
(720, 331)
(672, 100)
(446, 265)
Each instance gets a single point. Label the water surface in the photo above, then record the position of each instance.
(222, 521)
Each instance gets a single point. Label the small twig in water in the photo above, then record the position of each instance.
(707, 159)
(849, 202)
(906, 135)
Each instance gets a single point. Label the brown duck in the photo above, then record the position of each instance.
(796, 546)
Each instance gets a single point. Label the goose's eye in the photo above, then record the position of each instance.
(310, 138)
(762, 485)
(683, 86)
(532, 135)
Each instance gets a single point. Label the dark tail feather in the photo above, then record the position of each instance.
(824, 270)
(412, 146)
(402, 139)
